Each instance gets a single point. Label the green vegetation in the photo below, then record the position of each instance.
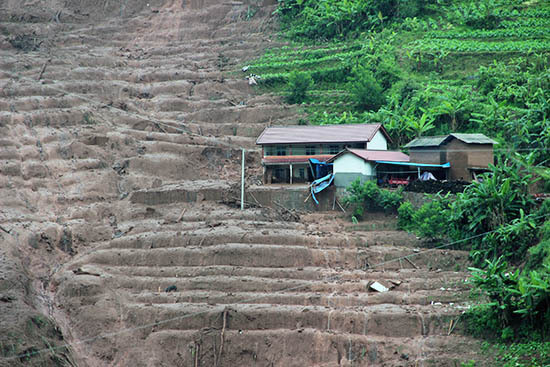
(298, 84)
(368, 196)
(434, 67)
(430, 221)
(419, 67)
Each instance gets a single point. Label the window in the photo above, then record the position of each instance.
(281, 150)
(302, 173)
(311, 150)
(333, 149)
(298, 150)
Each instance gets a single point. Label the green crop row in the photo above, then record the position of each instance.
(529, 13)
(495, 33)
(305, 62)
(287, 51)
(333, 74)
(527, 22)
(480, 46)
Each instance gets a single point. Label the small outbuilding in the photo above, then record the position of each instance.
(468, 154)
(352, 164)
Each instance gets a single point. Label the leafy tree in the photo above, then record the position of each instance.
(298, 84)
(365, 90)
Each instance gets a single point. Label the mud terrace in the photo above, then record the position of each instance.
(121, 127)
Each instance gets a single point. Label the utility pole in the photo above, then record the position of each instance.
(242, 181)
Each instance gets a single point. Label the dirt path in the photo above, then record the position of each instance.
(121, 128)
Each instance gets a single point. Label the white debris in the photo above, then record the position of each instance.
(245, 68)
(378, 287)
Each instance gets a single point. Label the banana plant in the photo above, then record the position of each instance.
(420, 126)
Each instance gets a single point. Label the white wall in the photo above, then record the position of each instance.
(348, 163)
(348, 167)
(378, 142)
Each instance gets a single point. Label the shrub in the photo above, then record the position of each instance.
(387, 74)
(369, 196)
(519, 304)
(405, 213)
(539, 255)
(298, 84)
(499, 206)
(365, 90)
(431, 221)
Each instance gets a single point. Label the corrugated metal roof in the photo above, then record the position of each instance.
(380, 155)
(427, 141)
(474, 138)
(435, 141)
(319, 134)
(374, 155)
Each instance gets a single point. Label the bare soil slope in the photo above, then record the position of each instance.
(121, 127)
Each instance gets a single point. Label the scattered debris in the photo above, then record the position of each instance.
(5, 230)
(378, 287)
(6, 299)
(410, 262)
(252, 79)
(120, 167)
(432, 187)
(80, 271)
(245, 68)
(395, 283)
(43, 69)
(171, 288)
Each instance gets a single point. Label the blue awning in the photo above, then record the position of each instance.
(411, 164)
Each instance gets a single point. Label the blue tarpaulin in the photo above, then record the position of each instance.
(319, 169)
(320, 184)
(446, 165)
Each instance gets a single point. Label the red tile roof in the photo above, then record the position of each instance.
(294, 158)
(375, 155)
(320, 134)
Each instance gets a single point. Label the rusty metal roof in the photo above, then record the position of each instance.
(352, 133)
(374, 155)
(435, 141)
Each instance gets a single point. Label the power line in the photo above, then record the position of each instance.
(156, 323)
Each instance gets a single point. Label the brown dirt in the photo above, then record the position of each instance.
(121, 128)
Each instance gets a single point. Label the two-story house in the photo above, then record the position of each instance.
(287, 149)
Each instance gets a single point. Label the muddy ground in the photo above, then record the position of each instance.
(121, 127)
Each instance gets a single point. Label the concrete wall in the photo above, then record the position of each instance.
(345, 179)
(291, 197)
(378, 142)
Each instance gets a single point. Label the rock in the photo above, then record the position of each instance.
(171, 288)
